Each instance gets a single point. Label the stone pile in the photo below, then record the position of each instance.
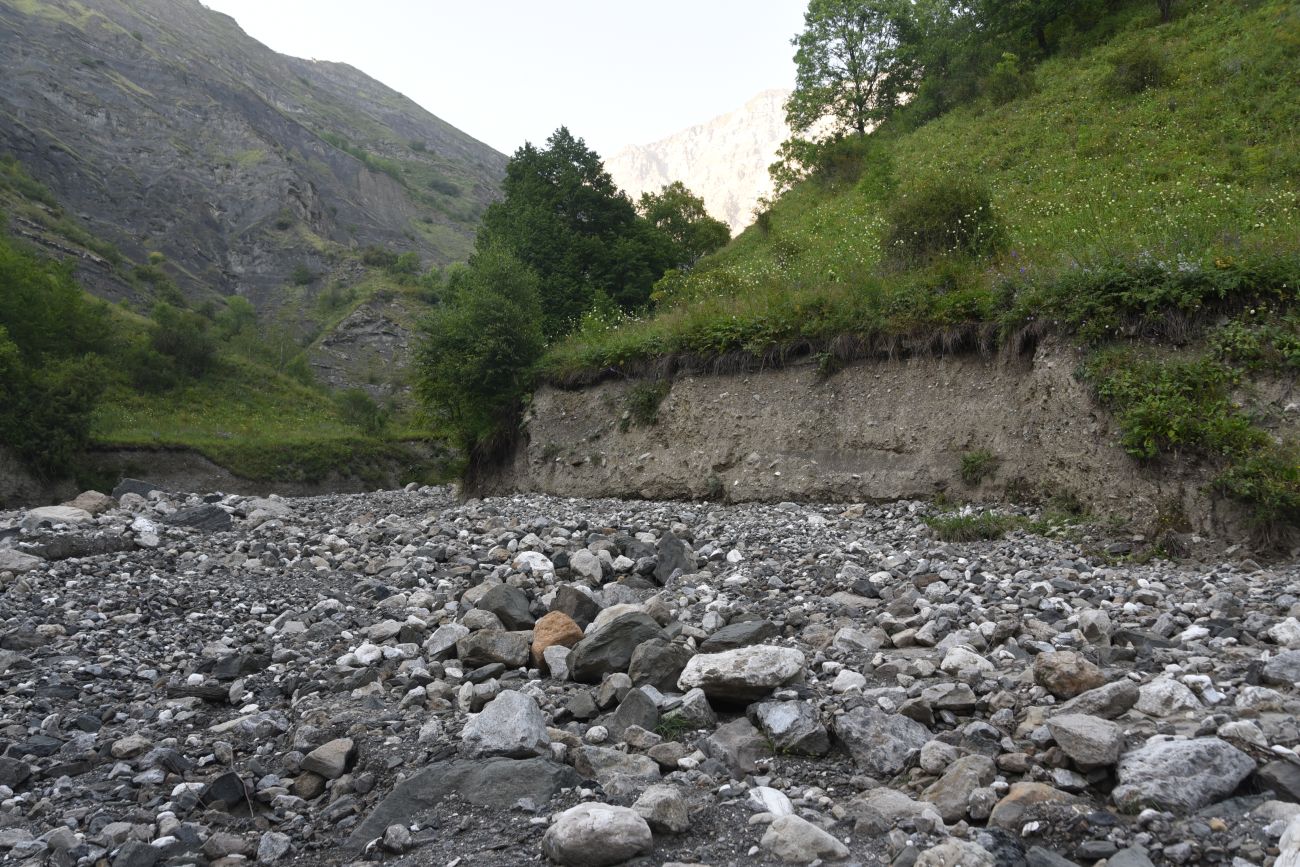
(400, 677)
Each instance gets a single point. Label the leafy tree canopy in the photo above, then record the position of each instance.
(680, 215)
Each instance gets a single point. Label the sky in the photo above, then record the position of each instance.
(510, 71)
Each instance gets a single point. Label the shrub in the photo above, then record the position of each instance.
(444, 186)
(1140, 68)
(1007, 82)
(977, 466)
(942, 215)
(302, 276)
(973, 528)
(362, 411)
(184, 337)
(643, 401)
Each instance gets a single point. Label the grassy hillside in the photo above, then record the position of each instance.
(1194, 179)
(1143, 196)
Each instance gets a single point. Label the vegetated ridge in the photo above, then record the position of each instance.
(1134, 191)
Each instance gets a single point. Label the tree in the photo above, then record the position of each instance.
(474, 365)
(563, 217)
(680, 215)
(1166, 10)
(849, 67)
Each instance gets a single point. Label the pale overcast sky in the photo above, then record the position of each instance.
(506, 71)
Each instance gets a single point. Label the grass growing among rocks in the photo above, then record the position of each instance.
(980, 527)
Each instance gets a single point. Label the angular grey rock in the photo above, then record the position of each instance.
(442, 642)
(694, 711)
(17, 561)
(636, 709)
(1133, 856)
(207, 517)
(511, 725)
(1283, 778)
(1088, 740)
(603, 764)
(330, 760)
(272, 846)
(586, 565)
(795, 840)
(792, 726)
(950, 793)
(1283, 669)
(1179, 775)
(1108, 702)
(881, 744)
(740, 634)
(609, 648)
(658, 663)
(596, 835)
(1164, 697)
(488, 646)
(510, 605)
(133, 486)
(1037, 856)
(575, 603)
(664, 809)
(672, 554)
(956, 853)
(497, 783)
(738, 745)
(1066, 673)
(52, 515)
(743, 675)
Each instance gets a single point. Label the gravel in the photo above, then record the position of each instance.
(218, 680)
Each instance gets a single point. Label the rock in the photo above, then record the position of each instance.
(743, 675)
(18, 562)
(738, 746)
(1289, 846)
(956, 853)
(793, 727)
(609, 648)
(510, 605)
(797, 841)
(893, 806)
(1107, 702)
(532, 561)
(658, 663)
(1283, 669)
(595, 835)
(207, 518)
(672, 555)
(130, 746)
(1066, 674)
(575, 603)
(1009, 812)
(486, 647)
(55, 515)
(135, 853)
(881, 744)
(765, 799)
(1164, 697)
(1088, 740)
(330, 760)
(272, 846)
(92, 502)
(741, 634)
(442, 642)
(959, 659)
(1037, 856)
(133, 486)
(1130, 857)
(636, 709)
(695, 712)
(511, 725)
(13, 772)
(1283, 778)
(554, 629)
(664, 810)
(1179, 775)
(950, 792)
(496, 783)
(555, 659)
(603, 765)
(585, 564)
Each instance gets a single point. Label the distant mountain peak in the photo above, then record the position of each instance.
(724, 160)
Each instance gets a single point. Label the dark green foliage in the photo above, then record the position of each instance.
(359, 409)
(563, 217)
(474, 367)
(1007, 81)
(418, 146)
(302, 275)
(1269, 482)
(238, 318)
(978, 465)
(943, 215)
(680, 216)
(1140, 68)
(184, 337)
(643, 401)
(1259, 340)
(446, 187)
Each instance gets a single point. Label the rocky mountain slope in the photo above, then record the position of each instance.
(405, 678)
(724, 160)
(161, 127)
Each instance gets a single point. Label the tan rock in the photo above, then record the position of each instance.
(93, 502)
(555, 628)
(1066, 674)
(1009, 813)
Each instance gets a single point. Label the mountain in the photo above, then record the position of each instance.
(724, 160)
(160, 127)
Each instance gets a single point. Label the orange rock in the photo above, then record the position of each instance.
(554, 628)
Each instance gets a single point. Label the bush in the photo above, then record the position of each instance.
(643, 401)
(1140, 68)
(977, 466)
(360, 410)
(444, 186)
(1007, 82)
(302, 276)
(942, 215)
(184, 337)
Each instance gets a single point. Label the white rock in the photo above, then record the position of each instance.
(596, 835)
(536, 562)
(1164, 697)
(744, 674)
(961, 658)
(797, 841)
(766, 799)
(1286, 633)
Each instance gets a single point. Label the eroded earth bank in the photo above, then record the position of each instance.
(406, 678)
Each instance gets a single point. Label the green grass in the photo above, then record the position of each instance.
(1181, 195)
(985, 526)
(978, 465)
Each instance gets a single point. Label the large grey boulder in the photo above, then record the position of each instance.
(609, 648)
(950, 792)
(1088, 740)
(793, 727)
(881, 743)
(207, 518)
(488, 646)
(795, 840)
(510, 605)
(53, 515)
(17, 561)
(743, 675)
(511, 725)
(1179, 775)
(1283, 669)
(596, 835)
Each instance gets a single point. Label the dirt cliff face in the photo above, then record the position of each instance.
(874, 431)
(163, 127)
